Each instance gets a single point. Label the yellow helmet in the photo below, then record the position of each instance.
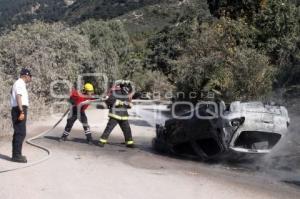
(89, 87)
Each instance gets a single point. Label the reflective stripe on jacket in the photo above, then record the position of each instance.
(118, 104)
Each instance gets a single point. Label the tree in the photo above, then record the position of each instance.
(217, 58)
(166, 47)
(58, 52)
(279, 30)
(110, 46)
(236, 8)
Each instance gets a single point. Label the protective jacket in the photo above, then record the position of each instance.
(76, 98)
(118, 103)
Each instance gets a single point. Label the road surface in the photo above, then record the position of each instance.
(78, 170)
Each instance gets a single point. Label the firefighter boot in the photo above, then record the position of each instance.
(89, 139)
(63, 138)
(130, 144)
(102, 142)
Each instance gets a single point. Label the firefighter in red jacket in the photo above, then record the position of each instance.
(79, 103)
(118, 102)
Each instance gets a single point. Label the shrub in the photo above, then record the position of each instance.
(216, 55)
(57, 52)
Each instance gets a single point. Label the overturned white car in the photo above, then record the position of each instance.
(212, 130)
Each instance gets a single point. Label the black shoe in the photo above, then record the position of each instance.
(101, 144)
(63, 138)
(19, 159)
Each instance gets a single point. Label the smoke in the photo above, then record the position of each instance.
(153, 114)
(283, 162)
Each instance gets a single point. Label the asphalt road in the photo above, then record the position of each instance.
(78, 170)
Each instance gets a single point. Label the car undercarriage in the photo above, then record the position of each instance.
(212, 130)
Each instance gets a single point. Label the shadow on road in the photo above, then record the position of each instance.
(5, 157)
(140, 123)
(95, 142)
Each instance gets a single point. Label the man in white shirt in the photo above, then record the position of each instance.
(19, 103)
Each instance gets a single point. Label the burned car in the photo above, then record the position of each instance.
(212, 130)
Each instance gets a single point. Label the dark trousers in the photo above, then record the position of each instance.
(124, 124)
(73, 116)
(19, 130)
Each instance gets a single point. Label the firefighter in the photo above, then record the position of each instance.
(80, 102)
(118, 102)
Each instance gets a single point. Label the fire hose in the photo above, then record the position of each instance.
(30, 142)
(48, 151)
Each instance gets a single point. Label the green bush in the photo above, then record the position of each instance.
(109, 44)
(58, 52)
(218, 55)
(279, 37)
(260, 39)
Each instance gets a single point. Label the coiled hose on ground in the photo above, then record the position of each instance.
(30, 142)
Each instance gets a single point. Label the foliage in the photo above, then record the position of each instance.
(24, 11)
(217, 58)
(210, 52)
(244, 48)
(236, 8)
(109, 45)
(279, 37)
(144, 80)
(166, 47)
(58, 52)
(277, 24)
(51, 51)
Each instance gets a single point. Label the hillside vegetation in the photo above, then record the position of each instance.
(245, 52)
(56, 52)
(243, 49)
(76, 11)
